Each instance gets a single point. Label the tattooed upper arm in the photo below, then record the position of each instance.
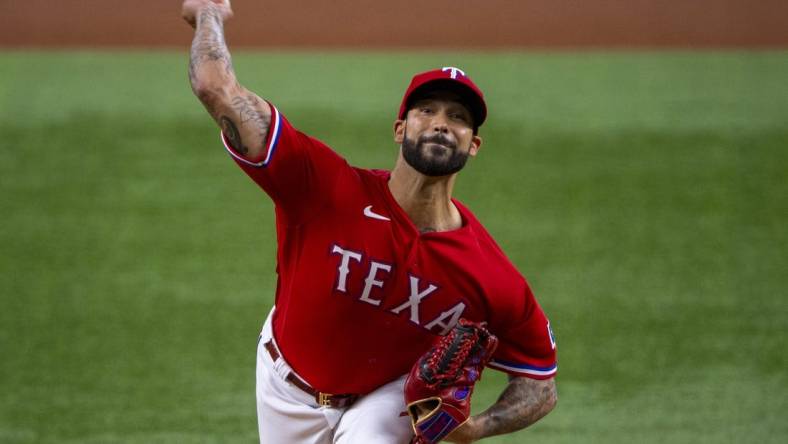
(242, 115)
(231, 133)
(245, 120)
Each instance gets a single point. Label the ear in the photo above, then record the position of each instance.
(476, 144)
(399, 131)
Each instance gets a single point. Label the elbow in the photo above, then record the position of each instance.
(205, 91)
(211, 95)
(206, 85)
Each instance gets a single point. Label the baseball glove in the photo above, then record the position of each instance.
(439, 386)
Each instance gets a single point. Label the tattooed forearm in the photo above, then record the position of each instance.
(242, 115)
(208, 46)
(523, 402)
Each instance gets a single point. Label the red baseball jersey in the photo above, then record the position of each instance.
(361, 294)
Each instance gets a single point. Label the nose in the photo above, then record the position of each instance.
(440, 123)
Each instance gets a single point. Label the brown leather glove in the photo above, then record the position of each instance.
(439, 386)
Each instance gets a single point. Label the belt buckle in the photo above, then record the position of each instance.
(324, 399)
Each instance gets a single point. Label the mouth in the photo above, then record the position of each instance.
(438, 144)
(438, 150)
(445, 144)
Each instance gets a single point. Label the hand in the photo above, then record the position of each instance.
(191, 8)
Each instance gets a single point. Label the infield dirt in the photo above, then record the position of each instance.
(408, 23)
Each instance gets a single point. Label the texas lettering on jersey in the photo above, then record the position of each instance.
(361, 293)
(376, 277)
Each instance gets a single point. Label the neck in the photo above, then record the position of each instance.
(426, 200)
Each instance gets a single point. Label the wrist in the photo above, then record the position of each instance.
(466, 433)
(472, 431)
(208, 8)
(210, 12)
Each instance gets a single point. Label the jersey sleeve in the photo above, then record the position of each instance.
(297, 171)
(526, 341)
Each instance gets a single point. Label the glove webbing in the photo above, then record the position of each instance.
(448, 357)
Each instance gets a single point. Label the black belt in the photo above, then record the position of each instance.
(323, 399)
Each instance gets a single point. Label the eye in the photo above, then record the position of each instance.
(426, 110)
(459, 117)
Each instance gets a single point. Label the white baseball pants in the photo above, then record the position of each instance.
(288, 415)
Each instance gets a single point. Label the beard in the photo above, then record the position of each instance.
(433, 161)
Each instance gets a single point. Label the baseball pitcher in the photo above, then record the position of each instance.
(392, 298)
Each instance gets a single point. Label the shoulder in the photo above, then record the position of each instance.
(380, 175)
(486, 242)
(371, 177)
(362, 180)
(507, 282)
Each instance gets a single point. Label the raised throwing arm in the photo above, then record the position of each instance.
(243, 116)
(523, 402)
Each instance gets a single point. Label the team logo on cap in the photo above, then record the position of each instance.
(453, 71)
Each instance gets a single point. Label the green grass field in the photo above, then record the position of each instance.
(645, 196)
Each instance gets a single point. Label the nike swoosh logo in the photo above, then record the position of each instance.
(371, 214)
